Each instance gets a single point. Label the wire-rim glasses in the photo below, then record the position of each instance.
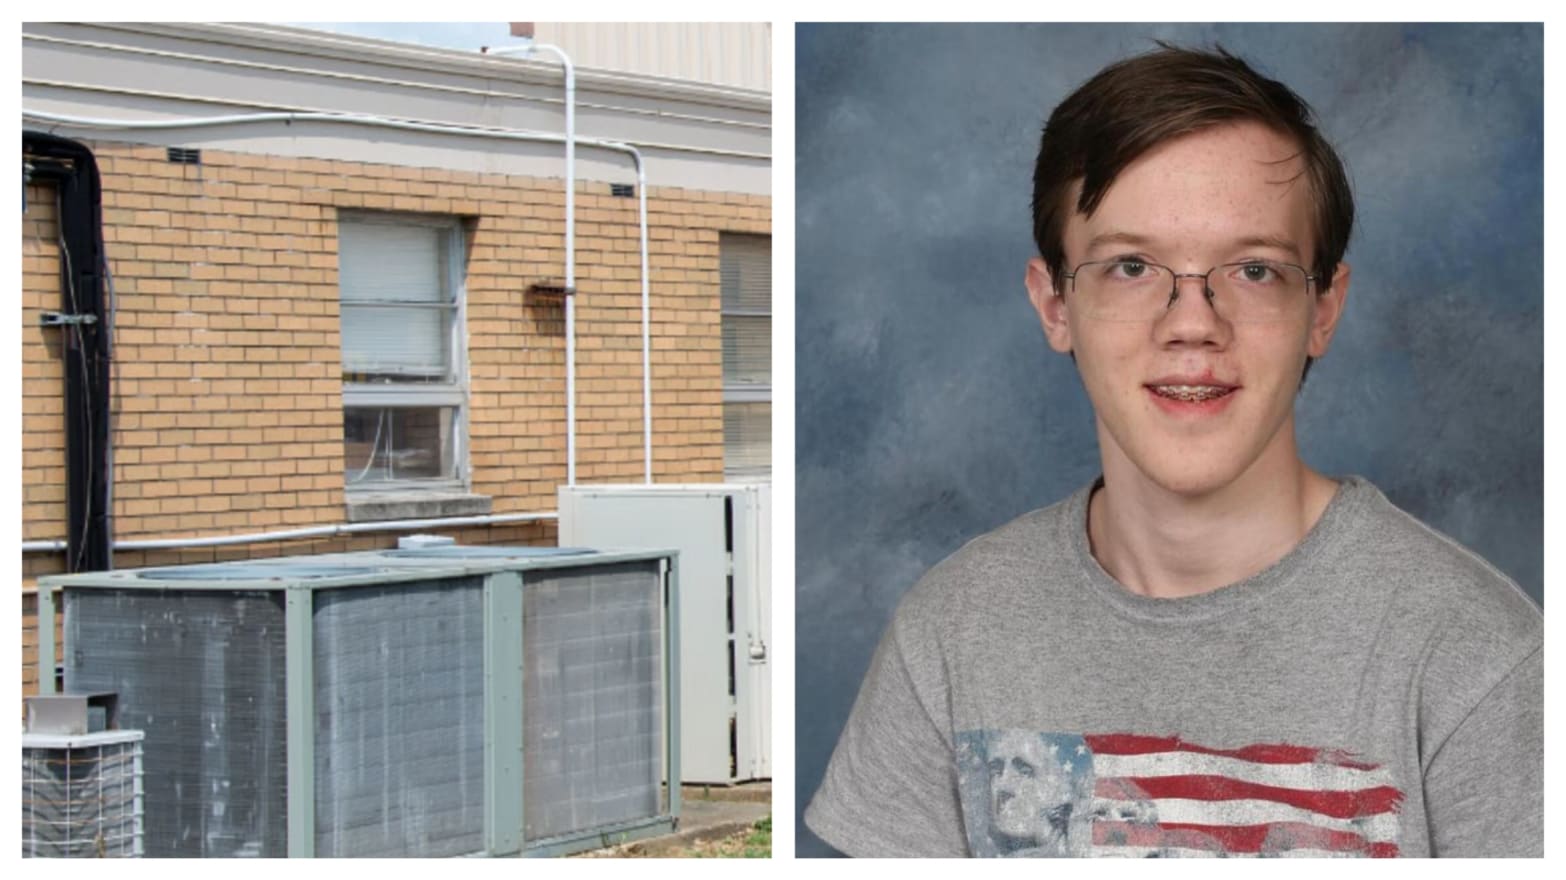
(1133, 289)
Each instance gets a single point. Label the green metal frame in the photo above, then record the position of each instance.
(503, 767)
(671, 636)
(299, 618)
(47, 614)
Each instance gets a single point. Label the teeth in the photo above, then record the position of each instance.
(1190, 393)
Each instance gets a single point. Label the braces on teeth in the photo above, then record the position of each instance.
(1190, 393)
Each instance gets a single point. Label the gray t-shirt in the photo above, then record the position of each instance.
(1377, 692)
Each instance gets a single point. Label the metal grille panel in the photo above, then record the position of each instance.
(202, 673)
(399, 701)
(592, 696)
(82, 798)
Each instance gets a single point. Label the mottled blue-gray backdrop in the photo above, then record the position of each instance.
(929, 407)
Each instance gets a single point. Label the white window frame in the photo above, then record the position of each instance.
(454, 393)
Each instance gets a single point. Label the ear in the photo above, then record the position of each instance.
(1328, 309)
(1050, 306)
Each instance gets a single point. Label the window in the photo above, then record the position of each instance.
(746, 270)
(404, 385)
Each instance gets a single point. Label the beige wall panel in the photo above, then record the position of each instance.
(723, 53)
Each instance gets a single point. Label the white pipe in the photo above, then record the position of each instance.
(290, 116)
(437, 128)
(401, 525)
(570, 241)
(663, 146)
(641, 195)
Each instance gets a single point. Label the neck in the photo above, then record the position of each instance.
(1169, 544)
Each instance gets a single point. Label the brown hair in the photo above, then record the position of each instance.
(1141, 102)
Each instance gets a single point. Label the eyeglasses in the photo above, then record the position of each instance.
(1247, 292)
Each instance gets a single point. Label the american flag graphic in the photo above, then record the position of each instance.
(1027, 793)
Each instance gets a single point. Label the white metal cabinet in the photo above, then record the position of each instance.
(723, 534)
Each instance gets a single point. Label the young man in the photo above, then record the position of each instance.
(1213, 649)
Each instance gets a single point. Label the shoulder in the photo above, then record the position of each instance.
(1465, 627)
(1002, 568)
(1431, 574)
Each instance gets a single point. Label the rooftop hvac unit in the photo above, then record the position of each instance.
(82, 794)
(435, 701)
(722, 532)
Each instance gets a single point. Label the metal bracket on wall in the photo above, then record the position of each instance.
(58, 319)
(545, 290)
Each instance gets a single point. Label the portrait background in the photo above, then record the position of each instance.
(930, 409)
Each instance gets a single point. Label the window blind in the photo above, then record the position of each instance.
(747, 439)
(745, 270)
(397, 302)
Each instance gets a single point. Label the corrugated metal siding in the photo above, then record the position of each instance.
(735, 54)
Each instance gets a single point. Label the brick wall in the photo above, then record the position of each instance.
(43, 372)
(227, 408)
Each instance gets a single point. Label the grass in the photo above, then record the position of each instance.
(753, 843)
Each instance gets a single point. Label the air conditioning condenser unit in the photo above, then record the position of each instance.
(436, 701)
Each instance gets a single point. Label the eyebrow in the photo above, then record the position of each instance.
(1107, 238)
(1276, 242)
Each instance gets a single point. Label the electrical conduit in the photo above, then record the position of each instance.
(570, 238)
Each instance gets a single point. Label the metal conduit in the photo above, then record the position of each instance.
(401, 525)
(570, 240)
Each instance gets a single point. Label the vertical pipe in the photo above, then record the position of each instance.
(570, 236)
(570, 239)
(641, 196)
(84, 341)
(641, 192)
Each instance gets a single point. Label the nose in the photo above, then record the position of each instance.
(1192, 318)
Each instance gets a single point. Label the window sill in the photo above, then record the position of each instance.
(414, 504)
